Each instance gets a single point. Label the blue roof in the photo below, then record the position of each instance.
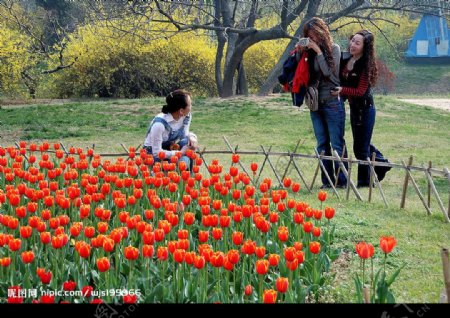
(430, 39)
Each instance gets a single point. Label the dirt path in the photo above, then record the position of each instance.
(442, 103)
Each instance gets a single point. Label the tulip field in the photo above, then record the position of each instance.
(78, 228)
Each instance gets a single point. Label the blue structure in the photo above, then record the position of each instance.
(430, 42)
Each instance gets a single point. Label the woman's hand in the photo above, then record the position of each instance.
(185, 148)
(336, 91)
(313, 45)
(299, 48)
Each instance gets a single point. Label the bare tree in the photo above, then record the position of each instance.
(234, 25)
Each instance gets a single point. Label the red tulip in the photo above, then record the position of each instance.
(295, 187)
(314, 247)
(199, 261)
(129, 299)
(131, 253)
(69, 285)
(233, 256)
(248, 290)
(87, 291)
(5, 261)
(365, 250)
(262, 266)
(203, 236)
(217, 233)
(162, 253)
(387, 243)
(322, 195)
(274, 259)
(103, 264)
(260, 251)
(237, 238)
(270, 296)
(329, 212)
(178, 255)
(282, 284)
(283, 233)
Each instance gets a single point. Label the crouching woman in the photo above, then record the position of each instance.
(168, 132)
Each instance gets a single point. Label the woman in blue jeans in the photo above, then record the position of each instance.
(169, 132)
(358, 73)
(329, 120)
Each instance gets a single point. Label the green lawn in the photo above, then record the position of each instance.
(401, 130)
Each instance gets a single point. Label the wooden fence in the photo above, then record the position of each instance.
(428, 171)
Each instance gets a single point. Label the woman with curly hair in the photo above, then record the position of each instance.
(329, 120)
(358, 74)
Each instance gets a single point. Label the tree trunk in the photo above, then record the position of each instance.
(241, 85)
(272, 79)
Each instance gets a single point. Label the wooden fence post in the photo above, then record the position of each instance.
(240, 163)
(339, 169)
(371, 176)
(436, 194)
(301, 176)
(377, 183)
(347, 194)
(358, 195)
(447, 173)
(326, 173)
(271, 165)
(262, 166)
(429, 186)
(317, 170)
(290, 159)
(408, 174)
(405, 184)
(446, 267)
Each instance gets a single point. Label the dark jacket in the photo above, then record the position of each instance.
(353, 79)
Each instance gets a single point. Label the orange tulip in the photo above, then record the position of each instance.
(270, 296)
(387, 243)
(329, 212)
(103, 264)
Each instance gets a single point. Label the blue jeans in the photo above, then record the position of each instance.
(329, 128)
(362, 120)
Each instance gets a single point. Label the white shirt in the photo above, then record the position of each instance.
(158, 133)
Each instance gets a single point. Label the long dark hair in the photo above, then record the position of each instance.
(368, 57)
(176, 100)
(323, 33)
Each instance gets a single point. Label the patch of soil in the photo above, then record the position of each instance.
(441, 103)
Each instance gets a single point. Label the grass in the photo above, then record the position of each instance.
(421, 79)
(401, 130)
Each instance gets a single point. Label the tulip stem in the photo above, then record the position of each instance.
(261, 277)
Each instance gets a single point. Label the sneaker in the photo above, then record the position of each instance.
(341, 186)
(325, 186)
